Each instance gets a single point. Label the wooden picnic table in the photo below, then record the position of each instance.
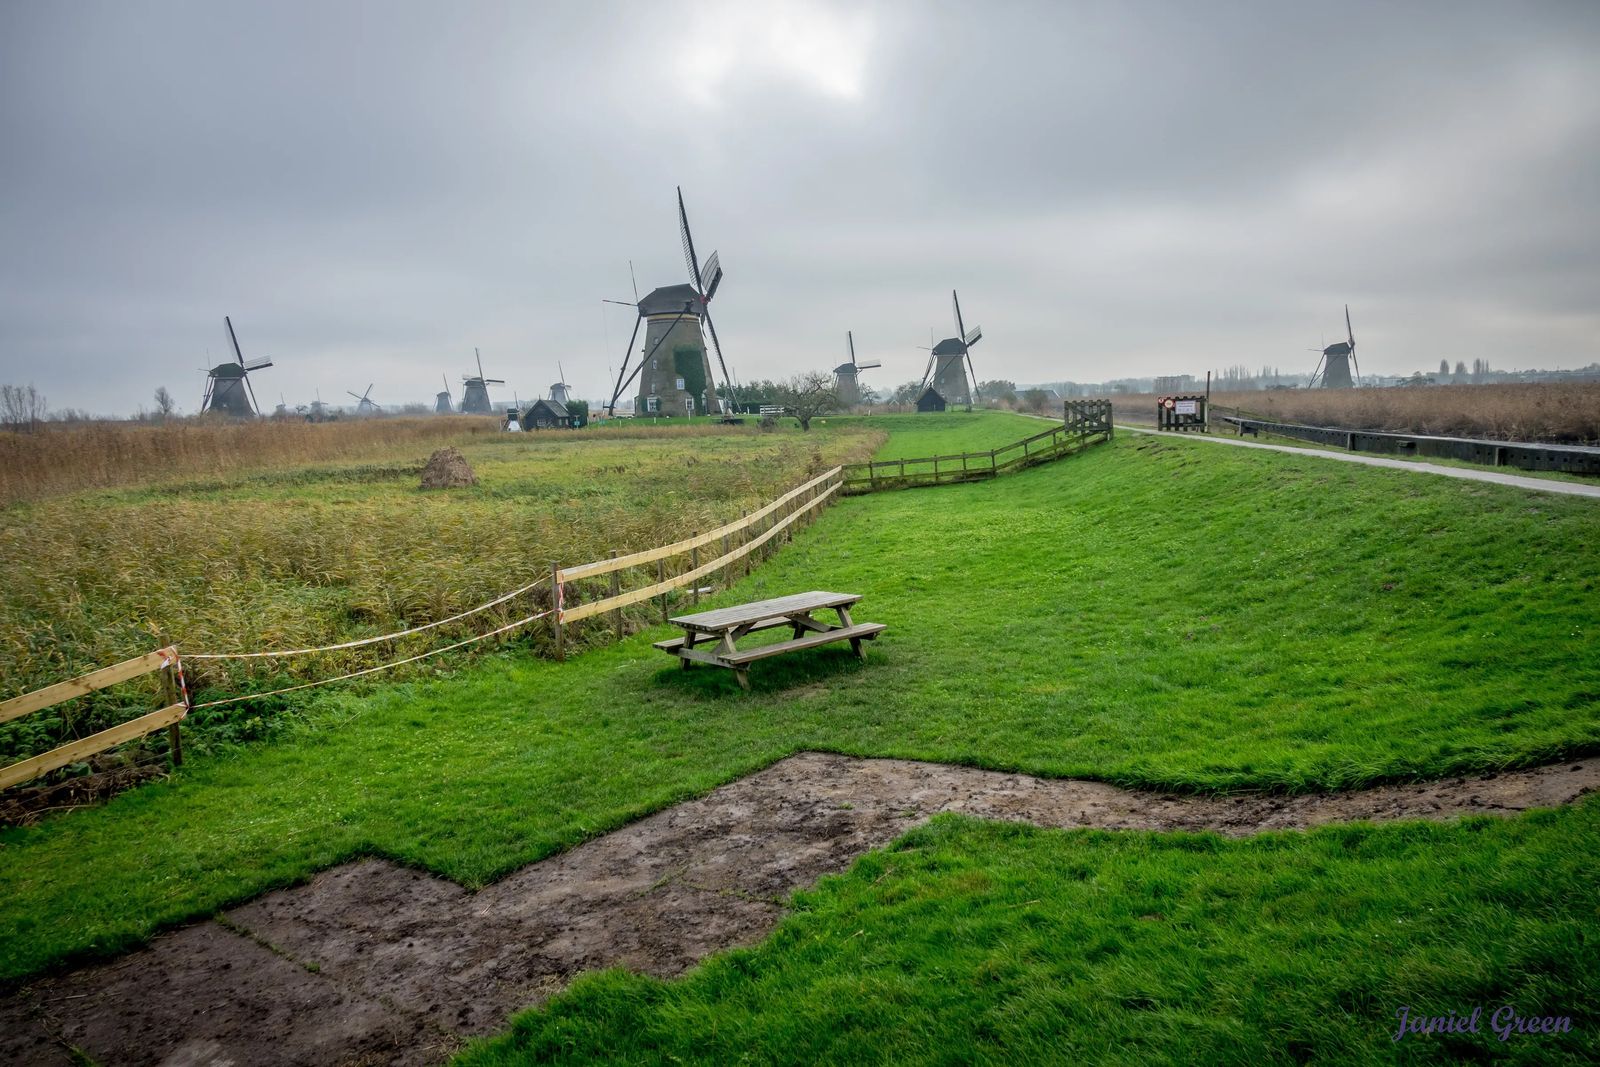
(710, 636)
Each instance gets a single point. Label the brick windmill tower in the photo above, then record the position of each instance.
(949, 362)
(674, 369)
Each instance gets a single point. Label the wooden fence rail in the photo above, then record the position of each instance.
(165, 659)
(1084, 422)
(778, 517)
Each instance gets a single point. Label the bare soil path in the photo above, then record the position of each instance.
(371, 962)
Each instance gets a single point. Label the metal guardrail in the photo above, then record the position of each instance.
(1571, 459)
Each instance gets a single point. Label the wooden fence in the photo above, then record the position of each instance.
(1084, 422)
(735, 541)
(165, 659)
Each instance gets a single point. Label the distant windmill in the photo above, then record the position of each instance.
(950, 361)
(364, 401)
(845, 384)
(674, 368)
(441, 401)
(475, 397)
(228, 384)
(282, 410)
(561, 392)
(1333, 369)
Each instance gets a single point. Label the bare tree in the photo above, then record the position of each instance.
(22, 407)
(809, 395)
(165, 405)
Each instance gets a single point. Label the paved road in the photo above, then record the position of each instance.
(1542, 485)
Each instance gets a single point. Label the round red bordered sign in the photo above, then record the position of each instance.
(1169, 403)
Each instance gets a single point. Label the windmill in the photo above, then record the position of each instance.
(674, 368)
(475, 397)
(561, 392)
(364, 402)
(951, 359)
(228, 384)
(845, 384)
(441, 401)
(1333, 369)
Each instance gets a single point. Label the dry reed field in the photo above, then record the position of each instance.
(252, 555)
(63, 459)
(1562, 412)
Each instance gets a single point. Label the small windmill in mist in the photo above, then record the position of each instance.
(475, 395)
(1333, 369)
(846, 384)
(365, 405)
(441, 401)
(950, 361)
(228, 384)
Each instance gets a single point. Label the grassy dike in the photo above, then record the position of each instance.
(1151, 612)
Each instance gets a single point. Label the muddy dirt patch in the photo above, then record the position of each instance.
(374, 962)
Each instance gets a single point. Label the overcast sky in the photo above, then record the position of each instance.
(1116, 189)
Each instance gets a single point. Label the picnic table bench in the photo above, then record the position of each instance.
(710, 636)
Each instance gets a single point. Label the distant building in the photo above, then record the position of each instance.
(930, 400)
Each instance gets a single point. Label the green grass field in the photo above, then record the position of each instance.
(1151, 612)
(973, 942)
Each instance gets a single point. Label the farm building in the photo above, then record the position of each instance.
(930, 400)
(548, 415)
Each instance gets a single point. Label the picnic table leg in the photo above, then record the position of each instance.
(744, 678)
(688, 642)
(844, 615)
(855, 646)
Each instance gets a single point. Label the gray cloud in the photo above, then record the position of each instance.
(371, 190)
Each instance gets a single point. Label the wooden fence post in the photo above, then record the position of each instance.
(744, 538)
(727, 576)
(169, 692)
(616, 590)
(661, 576)
(555, 607)
(694, 565)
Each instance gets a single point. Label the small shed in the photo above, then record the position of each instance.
(930, 400)
(548, 415)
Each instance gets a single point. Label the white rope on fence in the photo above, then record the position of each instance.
(369, 640)
(374, 670)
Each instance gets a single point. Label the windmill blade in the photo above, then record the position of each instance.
(611, 408)
(446, 379)
(955, 302)
(635, 282)
(258, 364)
(357, 395)
(927, 371)
(972, 336)
(850, 341)
(478, 356)
(689, 257)
(255, 408)
(727, 379)
(232, 337)
(868, 366)
(624, 303)
(713, 277)
(494, 381)
(367, 396)
(1351, 330)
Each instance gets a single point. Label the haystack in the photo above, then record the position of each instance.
(447, 469)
